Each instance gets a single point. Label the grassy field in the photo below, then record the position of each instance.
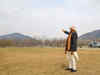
(46, 61)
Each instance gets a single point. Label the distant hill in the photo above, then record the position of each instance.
(91, 35)
(15, 36)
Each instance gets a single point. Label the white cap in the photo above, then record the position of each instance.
(74, 27)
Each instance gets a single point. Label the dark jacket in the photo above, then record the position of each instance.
(73, 42)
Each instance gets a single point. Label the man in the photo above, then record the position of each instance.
(71, 48)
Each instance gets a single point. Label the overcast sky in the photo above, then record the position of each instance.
(48, 17)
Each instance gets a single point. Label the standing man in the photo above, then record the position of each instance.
(71, 48)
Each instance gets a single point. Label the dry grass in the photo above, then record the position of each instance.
(46, 61)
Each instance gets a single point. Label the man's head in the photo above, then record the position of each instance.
(72, 28)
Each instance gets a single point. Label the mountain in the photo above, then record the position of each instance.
(15, 36)
(91, 35)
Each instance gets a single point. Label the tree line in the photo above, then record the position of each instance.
(38, 43)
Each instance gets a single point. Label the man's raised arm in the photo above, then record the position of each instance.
(66, 32)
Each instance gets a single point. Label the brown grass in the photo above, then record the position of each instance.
(46, 61)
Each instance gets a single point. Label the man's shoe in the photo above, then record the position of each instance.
(73, 70)
(68, 68)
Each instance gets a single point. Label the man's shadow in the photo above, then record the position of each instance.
(63, 66)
